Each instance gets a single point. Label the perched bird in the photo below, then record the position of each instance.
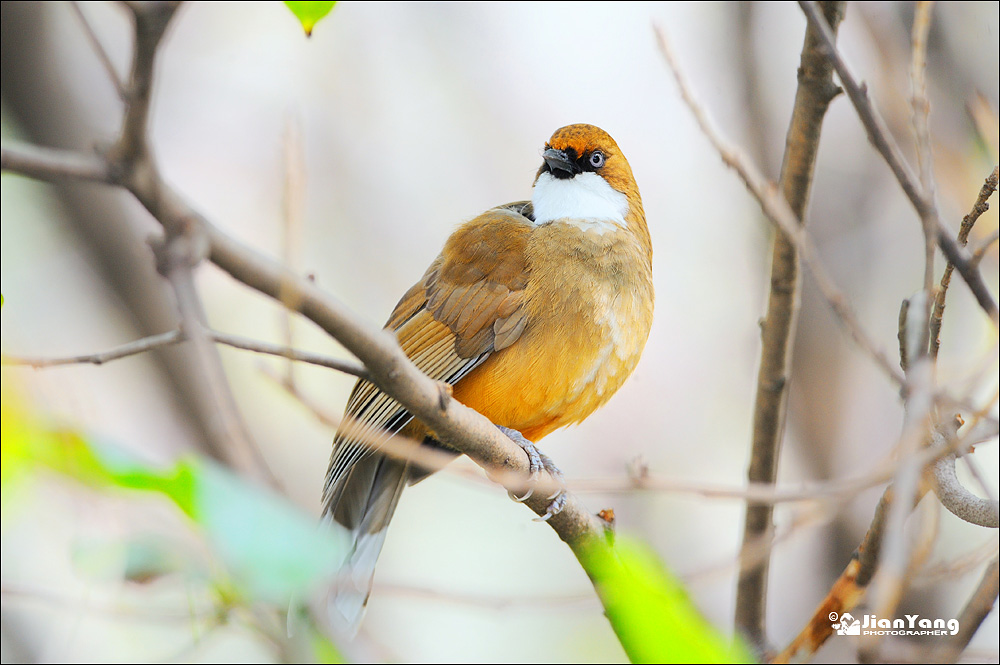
(535, 312)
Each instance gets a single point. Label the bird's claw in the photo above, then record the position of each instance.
(537, 462)
(556, 507)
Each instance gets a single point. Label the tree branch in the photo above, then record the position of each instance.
(980, 206)
(813, 96)
(959, 501)
(389, 368)
(175, 336)
(925, 157)
(777, 211)
(51, 164)
(99, 49)
(979, 606)
(124, 351)
(880, 137)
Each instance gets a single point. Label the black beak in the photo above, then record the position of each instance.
(559, 164)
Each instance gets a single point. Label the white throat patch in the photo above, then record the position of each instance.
(586, 200)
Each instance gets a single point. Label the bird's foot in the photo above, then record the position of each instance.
(538, 462)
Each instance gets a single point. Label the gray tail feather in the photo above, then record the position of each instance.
(363, 503)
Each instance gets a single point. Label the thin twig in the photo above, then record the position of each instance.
(291, 227)
(979, 207)
(984, 246)
(124, 351)
(902, 337)
(957, 566)
(976, 610)
(925, 156)
(776, 209)
(289, 353)
(929, 513)
(175, 336)
(102, 53)
(880, 137)
(828, 491)
(847, 590)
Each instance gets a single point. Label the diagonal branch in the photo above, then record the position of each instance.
(980, 206)
(102, 53)
(777, 211)
(132, 166)
(880, 137)
(979, 606)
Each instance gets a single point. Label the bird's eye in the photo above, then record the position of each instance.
(597, 159)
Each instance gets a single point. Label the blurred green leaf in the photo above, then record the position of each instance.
(310, 13)
(276, 549)
(272, 550)
(650, 611)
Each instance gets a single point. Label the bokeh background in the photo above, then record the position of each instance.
(406, 120)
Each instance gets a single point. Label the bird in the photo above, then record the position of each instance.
(535, 313)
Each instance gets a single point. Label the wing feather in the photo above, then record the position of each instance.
(468, 305)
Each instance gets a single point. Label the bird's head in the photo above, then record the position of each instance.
(585, 176)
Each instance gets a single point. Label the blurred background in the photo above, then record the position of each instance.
(402, 121)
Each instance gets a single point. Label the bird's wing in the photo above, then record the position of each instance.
(468, 305)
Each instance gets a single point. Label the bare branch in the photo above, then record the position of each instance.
(919, 431)
(775, 207)
(880, 137)
(51, 164)
(984, 246)
(959, 565)
(959, 501)
(980, 206)
(813, 96)
(99, 49)
(925, 157)
(151, 20)
(891, 577)
(460, 427)
(901, 336)
(123, 351)
(184, 245)
(176, 336)
(976, 610)
(847, 591)
(176, 261)
(291, 228)
(291, 354)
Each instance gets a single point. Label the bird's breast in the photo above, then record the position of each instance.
(589, 299)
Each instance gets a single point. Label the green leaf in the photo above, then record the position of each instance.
(272, 550)
(650, 611)
(276, 550)
(310, 13)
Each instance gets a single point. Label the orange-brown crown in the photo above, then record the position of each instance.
(581, 141)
